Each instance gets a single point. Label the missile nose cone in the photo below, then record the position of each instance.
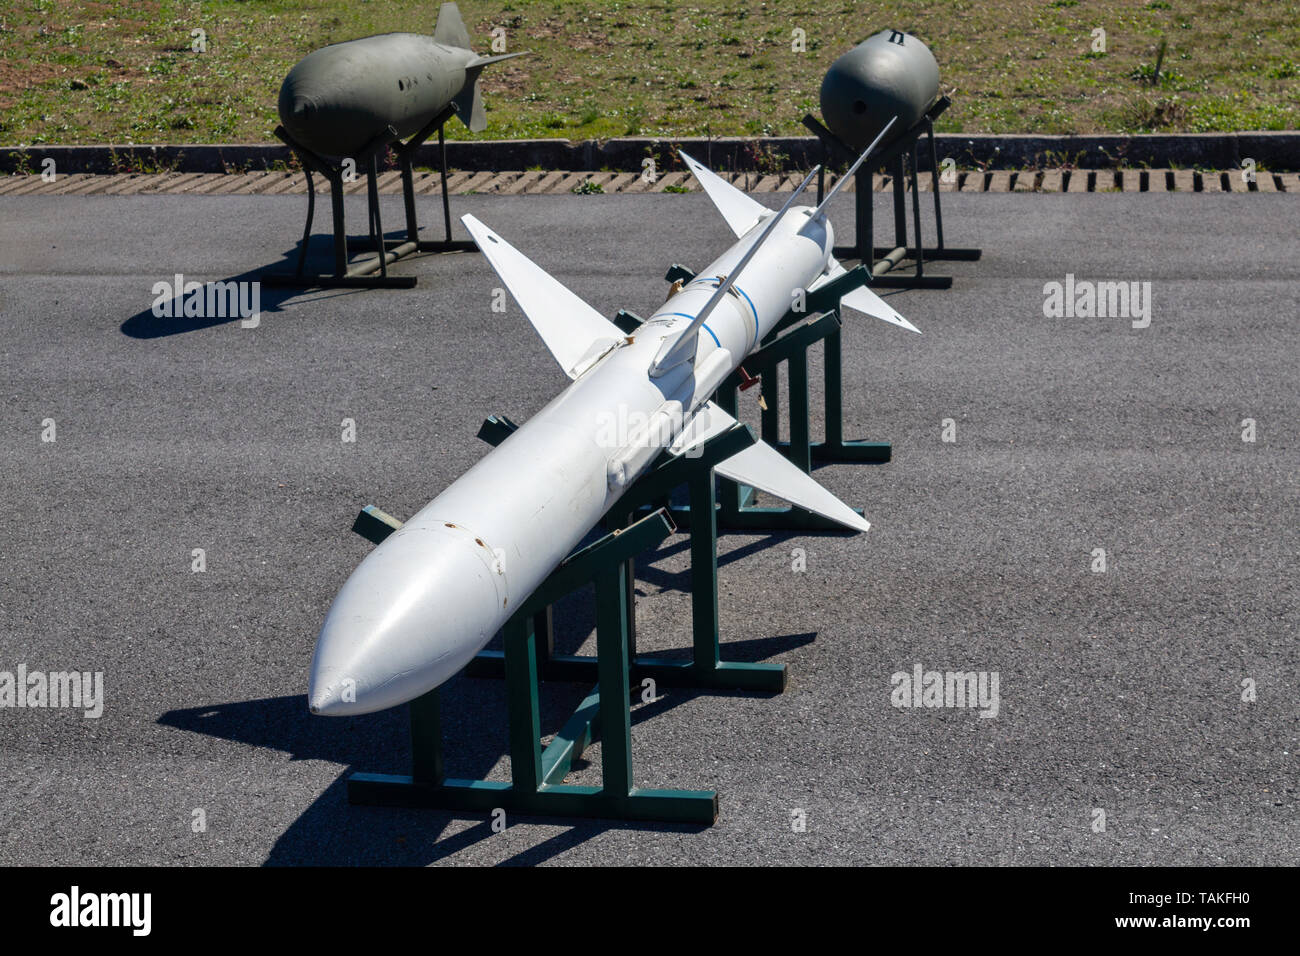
(412, 615)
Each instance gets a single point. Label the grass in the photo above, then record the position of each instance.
(75, 71)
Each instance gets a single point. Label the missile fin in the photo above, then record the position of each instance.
(708, 422)
(450, 29)
(740, 210)
(469, 105)
(570, 327)
(481, 61)
(763, 467)
(766, 469)
(864, 300)
(469, 101)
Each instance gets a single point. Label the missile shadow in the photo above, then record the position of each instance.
(331, 832)
(272, 299)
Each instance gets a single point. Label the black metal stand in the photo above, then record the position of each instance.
(901, 159)
(362, 274)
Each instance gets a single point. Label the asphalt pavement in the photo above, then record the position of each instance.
(1146, 713)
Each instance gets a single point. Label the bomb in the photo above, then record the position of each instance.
(890, 74)
(341, 97)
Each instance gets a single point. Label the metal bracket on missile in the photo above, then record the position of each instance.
(705, 669)
(537, 774)
(788, 343)
(387, 250)
(902, 158)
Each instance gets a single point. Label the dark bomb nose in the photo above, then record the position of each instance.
(297, 107)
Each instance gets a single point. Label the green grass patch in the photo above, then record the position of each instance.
(113, 71)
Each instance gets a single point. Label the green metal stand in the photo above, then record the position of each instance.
(536, 774)
(787, 343)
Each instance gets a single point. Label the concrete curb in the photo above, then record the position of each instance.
(1276, 151)
(557, 182)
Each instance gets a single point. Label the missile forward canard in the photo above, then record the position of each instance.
(341, 97)
(434, 592)
(891, 74)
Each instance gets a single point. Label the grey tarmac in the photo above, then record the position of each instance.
(1120, 691)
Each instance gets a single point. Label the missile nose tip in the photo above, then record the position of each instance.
(322, 698)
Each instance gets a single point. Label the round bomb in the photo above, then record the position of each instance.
(890, 74)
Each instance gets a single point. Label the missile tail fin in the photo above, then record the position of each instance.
(469, 105)
(763, 467)
(469, 101)
(450, 29)
(576, 334)
(739, 209)
(864, 300)
(481, 61)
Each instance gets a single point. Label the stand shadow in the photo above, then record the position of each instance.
(145, 324)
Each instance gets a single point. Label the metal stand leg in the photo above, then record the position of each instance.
(446, 203)
(408, 197)
(340, 230)
(934, 174)
(916, 211)
(376, 224)
(864, 250)
(362, 275)
(306, 230)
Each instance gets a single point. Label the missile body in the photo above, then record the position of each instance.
(433, 594)
(339, 98)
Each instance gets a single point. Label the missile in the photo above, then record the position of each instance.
(433, 594)
(340, 98)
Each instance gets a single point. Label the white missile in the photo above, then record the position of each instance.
(433, 594)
